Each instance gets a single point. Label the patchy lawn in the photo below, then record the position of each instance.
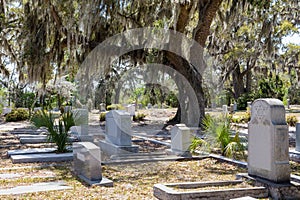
(131, 181)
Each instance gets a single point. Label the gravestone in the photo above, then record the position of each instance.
(268, 145)
(118, 133)
(235, 106)
(67, 109)
(231, 108)
(181, 139)
(131, 109)
(37, 109)
(87, 161)
(249, 105)
(102, 107)
(225, 109)
(297, 137)
(6, 111)
(288, 103)
(81, 119)
(149, 106)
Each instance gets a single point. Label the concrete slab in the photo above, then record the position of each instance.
(104, 182)
(244, 198)
(9, 176)
(30, 151)
(41, 139)
(31, 136)
(37, 187)
(42, 157)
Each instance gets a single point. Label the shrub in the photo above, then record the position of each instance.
(217, 135)
(16, 115)
(291, 120)
(58, 130)
(139, 117)
(245, 118)
(102, 116)
(115, 107)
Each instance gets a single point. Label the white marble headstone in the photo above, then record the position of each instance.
(268, 147)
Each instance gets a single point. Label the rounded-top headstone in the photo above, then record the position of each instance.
(267, 111)
(268, 141)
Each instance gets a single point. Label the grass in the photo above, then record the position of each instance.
(131, 181)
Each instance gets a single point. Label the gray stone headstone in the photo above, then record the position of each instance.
(6, 111)
(297, 137)
(249, 105)
(225, 109)
(149, 106)
(102, 107)
(118, 127)
(37, 109)
(87, 160)
(268, 145)
(235, 106)
(131, 109)
(288, 103)
(67, 109)
(181, 138)
(81, 119)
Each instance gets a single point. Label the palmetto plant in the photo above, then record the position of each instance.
(58, 128)
(217, 135)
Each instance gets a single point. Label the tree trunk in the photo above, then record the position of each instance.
(206, 10)
(237, 81)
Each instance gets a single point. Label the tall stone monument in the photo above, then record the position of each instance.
(268, 144)
(118, 133)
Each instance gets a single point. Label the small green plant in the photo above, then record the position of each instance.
(217, 135)
(58, 130)
(245, 118)
(102, 116)
(115, 107)
(17, 114)
(139, 117)
(291, 120)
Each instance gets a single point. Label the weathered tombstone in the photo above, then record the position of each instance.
(87, 160)
(268, 146)
(81, 118)
(67, 109)
(288, 103)
(249, 105)
(149, 106)
(231, 109)
(37, 109)
(140, 106)
(6, 111)
(213, 105)
(131, 109)
(235, 106)
(297, 137)
(181, 139)
(118, 133)
(102, 107)
(225, 109)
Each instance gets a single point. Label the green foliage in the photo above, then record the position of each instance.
(291, 120)
(218, 135)
(58, 131)
(139, 117)
(102, 116)
(271, 87)
(115, 107)
(243, 99)
(245, 118)
(171, 100)
(18, 114)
